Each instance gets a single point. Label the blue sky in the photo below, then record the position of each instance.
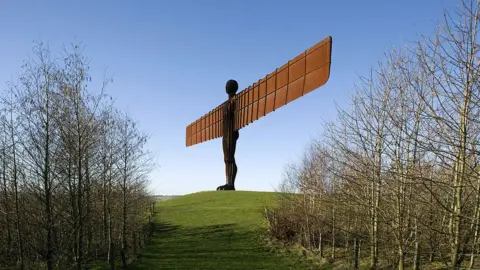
(170, 60)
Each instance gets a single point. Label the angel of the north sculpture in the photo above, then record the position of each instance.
(299, 76)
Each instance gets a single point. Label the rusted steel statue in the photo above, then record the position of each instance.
(299, 76)
(230, 136)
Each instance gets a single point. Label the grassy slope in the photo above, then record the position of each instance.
(214, 230)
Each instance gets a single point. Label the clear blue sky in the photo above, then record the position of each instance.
(170, 61)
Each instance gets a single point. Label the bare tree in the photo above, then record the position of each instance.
(69, 183)
(404, 157)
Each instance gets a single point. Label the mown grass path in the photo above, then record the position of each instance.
(214, 230)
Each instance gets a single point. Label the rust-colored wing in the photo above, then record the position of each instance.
(206, 128)
(299, 76)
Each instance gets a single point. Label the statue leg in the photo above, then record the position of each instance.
(229, 145)
(233, 164)
(226, 158)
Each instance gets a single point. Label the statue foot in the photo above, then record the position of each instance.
(226, 187)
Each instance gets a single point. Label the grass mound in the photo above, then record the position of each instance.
(214, 230)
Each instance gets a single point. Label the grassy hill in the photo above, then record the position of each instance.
(214, 230)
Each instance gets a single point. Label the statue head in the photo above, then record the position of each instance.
(231, 87)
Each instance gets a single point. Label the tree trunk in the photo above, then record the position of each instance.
(17, 203)
(47, 189)
(416, 259)
(111, 246)
(80, 210)
(6, 203)
(475, 224)
(355, 253)
(333, 234)
(401, 259)
(88, 226)
(320, 244)
(124, 212)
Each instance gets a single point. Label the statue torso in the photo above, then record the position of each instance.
(229, 120)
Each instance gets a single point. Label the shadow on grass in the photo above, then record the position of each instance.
(223, 246)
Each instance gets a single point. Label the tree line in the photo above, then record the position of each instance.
(73, 169)
(394, 181)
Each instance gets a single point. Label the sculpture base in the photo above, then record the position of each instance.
(226, 187)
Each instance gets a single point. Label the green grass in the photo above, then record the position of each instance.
(215, 230)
